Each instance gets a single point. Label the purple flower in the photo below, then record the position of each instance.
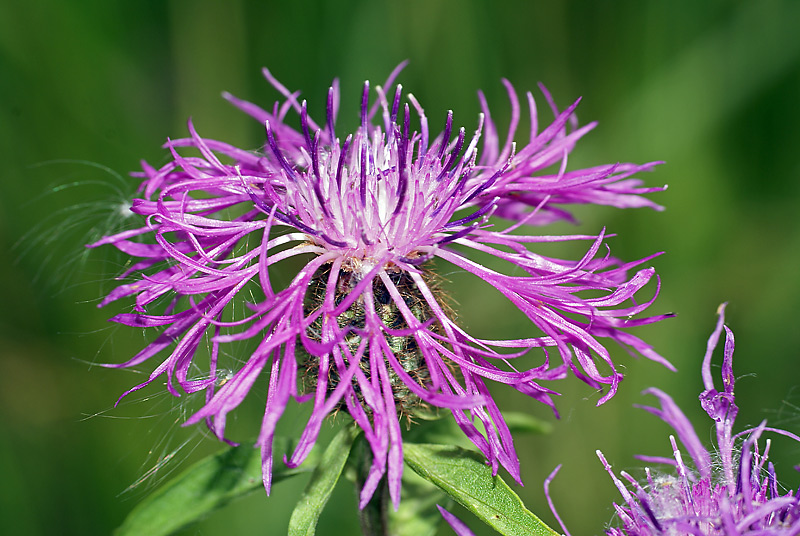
(364, 326)
(731, 491)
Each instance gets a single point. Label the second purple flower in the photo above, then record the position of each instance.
(364, 327)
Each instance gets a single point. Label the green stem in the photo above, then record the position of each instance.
(374, 516)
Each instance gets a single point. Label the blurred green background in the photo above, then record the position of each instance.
(709, 87)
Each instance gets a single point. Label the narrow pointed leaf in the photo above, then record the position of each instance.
(204, 487)
(464, 475)
(446, 432)
(522, 423)
(306, 514)
(417, 514)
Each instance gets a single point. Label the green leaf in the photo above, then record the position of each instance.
(417, 514)
(464, 475)
(522, 423)
(202, 488)
(445, 430)
(323, 480)
(441, 430)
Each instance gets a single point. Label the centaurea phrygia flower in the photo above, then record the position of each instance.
(731, 490)
(363, 326)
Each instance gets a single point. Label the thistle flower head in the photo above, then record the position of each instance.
(363, 327)
(733, 491)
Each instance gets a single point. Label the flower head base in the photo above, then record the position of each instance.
(362, 326)
(739, 498)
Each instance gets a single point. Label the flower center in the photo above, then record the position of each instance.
(356, 329)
